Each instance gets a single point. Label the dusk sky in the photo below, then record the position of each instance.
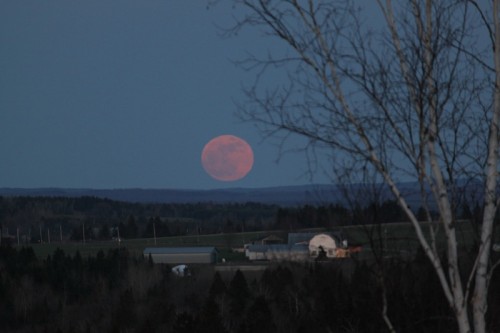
(125, 93)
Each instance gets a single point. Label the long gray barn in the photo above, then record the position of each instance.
(182, 255)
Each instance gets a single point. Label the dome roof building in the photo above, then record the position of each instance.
(323, 245)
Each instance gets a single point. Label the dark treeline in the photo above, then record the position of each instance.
(70, 218)
(337, 215)
(115, 292)
(35, 219)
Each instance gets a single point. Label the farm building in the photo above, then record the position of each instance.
(182, 255)
(277, 252)
(323, 244)
(301, 247)
(272, 239)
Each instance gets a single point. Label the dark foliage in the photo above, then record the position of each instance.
(218, 286)
(113, 292)
(36, 219)
(61, 217)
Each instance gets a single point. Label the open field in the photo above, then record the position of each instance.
(136, 246)
(397, 238)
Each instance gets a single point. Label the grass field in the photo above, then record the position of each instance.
(401, 236)
(223, 242)
(395, 237)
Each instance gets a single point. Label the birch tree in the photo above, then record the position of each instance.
(410, 89)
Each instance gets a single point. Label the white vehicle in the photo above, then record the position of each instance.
(181, 270)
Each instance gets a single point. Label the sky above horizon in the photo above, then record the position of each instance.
(125, 94)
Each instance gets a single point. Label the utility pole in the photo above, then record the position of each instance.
(197, 234)
(119, 239)
(83, 229)
(154, 232)
(41, 237)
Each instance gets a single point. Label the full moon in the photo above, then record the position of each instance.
(227, 158)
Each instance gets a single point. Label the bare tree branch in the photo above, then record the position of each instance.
(414, 97)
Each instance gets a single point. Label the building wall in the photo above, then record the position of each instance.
(278, 253)
(255, 255)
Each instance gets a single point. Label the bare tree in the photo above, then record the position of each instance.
(410, 88)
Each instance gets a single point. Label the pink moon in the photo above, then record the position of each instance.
(227, 158)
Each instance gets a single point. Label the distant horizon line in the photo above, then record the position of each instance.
(160, 188)
(407, 182)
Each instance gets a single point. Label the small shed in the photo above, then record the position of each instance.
(182, 255)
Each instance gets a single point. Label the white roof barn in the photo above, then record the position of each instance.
(301, 247)
(277, 252)
(182, 255)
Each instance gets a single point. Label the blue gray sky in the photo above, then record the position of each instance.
(125, 93)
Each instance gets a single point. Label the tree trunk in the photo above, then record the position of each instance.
(480, 295)
(418, 84)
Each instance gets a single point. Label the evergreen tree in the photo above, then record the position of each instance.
(210, 319)
(218, 286)
(238, 294)
(259, 317)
